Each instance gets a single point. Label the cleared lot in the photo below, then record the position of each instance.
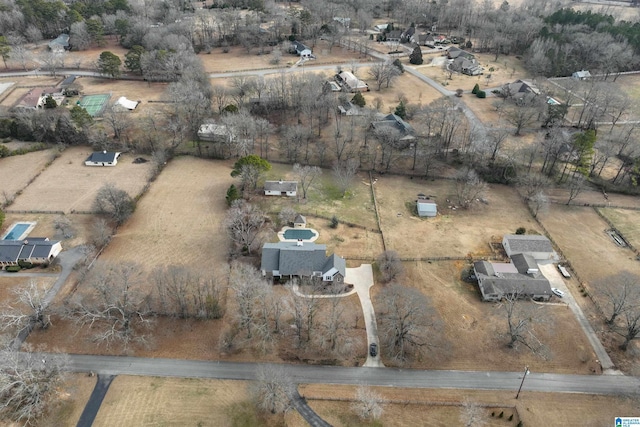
(68, 185)
(453, 232)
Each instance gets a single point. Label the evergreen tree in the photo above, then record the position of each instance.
(358, 100)
(401, 111)
(416, 56)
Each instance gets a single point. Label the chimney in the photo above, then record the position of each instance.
(280, 182)
(299, 242)
(104, 151)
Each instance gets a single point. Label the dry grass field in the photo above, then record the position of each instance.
(533, 409)
(10, 284)
(68, 185)
(72, 398)
(580, 233)
(17, 171)
(179, 220)
(453, 232)
(406, 86)
(627, 221)
(150, 401)
(474, 328)
(592, 197)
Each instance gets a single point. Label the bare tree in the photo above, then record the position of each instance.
(343, 173)
(116, 204)
(576, 186)
(250, 290)
(184, 292)
(119, 119)
(409, 325)
(114, 303)
(287, 215)
(469, 187)
(630, 328)
(306, 176)
(63, 225)
(244, 223)
(27, 311)
(29, 384)
(521, 319)
(100, 233)
(22, 56)
(533, 183)
(390, 266)
(52, 61)
(384, 73)
(539, 203)
(273, 389)
(368, 404)
(620, 293)
(472, 414)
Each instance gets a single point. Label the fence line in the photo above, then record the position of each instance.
(13, 211)
(375, 206)
(614, 228)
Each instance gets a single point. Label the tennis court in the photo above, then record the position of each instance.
(94, 104)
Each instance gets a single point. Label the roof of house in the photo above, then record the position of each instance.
(524, 263)
(427, 206)
(455, 52)
(522, 243)
(582, 74)
(351, 80)
(395, 34)
(293, 258)
(299, 47)
(68, 81)
(14, 250)
(103, 156)
(300, 219)
(32, 98)
(496, 283)
(61, 40)
(522, 87)
(394, 121)
(281, 185)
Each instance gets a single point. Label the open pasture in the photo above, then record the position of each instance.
(68, 185)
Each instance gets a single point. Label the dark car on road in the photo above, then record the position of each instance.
(373, 350)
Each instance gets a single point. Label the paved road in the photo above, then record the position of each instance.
(95, 400)
(552, 274)
(300, 405)
(389, 377)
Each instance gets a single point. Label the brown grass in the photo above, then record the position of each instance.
(150, 401)
(17, 171)
(406, 86)
(68, 185)
(627, 222)
(72, 398)
(536, 409)
(453, 232)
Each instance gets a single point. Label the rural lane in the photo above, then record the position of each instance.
(389, 377)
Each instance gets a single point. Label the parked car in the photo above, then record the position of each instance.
(557, 292)
(373, 350)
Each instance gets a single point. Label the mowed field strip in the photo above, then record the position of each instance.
(178, 221)
(68, 185)
(150, 401)
(17, 171)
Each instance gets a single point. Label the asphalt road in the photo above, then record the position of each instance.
(390, 377)
(95, 400)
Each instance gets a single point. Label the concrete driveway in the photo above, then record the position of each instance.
(553, 275)
(362, 280)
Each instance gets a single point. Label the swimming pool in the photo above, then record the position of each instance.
(19, 231)
(301, 233)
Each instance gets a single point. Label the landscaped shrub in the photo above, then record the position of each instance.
(510, 417)
(501, 414)
(475, 89)
(334, 222)
(481, 94)
(25, 264)
(521, 230)
(13, 269)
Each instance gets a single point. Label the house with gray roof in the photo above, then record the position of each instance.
(536, 246)
(281, 188)
(36, 250)
(60, 43)
(289, 259)
(396, 122)
(103, 158)
(521, 277)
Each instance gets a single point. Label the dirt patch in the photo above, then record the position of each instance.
(18, 171)
(170, 401)
(454, 232)
(440, 406)
(68, 185)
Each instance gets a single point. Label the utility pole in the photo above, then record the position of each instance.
(526, 372)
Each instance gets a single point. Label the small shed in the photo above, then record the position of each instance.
(427, 208)
(300, 221)
(301, 49)
(581, 75)
(103, 158)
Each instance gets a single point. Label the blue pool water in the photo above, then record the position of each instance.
(293, 234)
(16, 231)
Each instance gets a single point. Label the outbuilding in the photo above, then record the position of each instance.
(103, 158)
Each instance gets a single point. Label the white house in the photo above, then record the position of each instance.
(351, 82)
(213, 132)
(103, 158)
(281, 188)
(36, 250)
(536, 246)
(301, 50)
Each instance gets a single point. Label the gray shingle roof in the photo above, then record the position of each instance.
(291, 259)
(300, 219)
(281, 185)
(14, 250)
(102, 157)
(524, 263)
(519, 243)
